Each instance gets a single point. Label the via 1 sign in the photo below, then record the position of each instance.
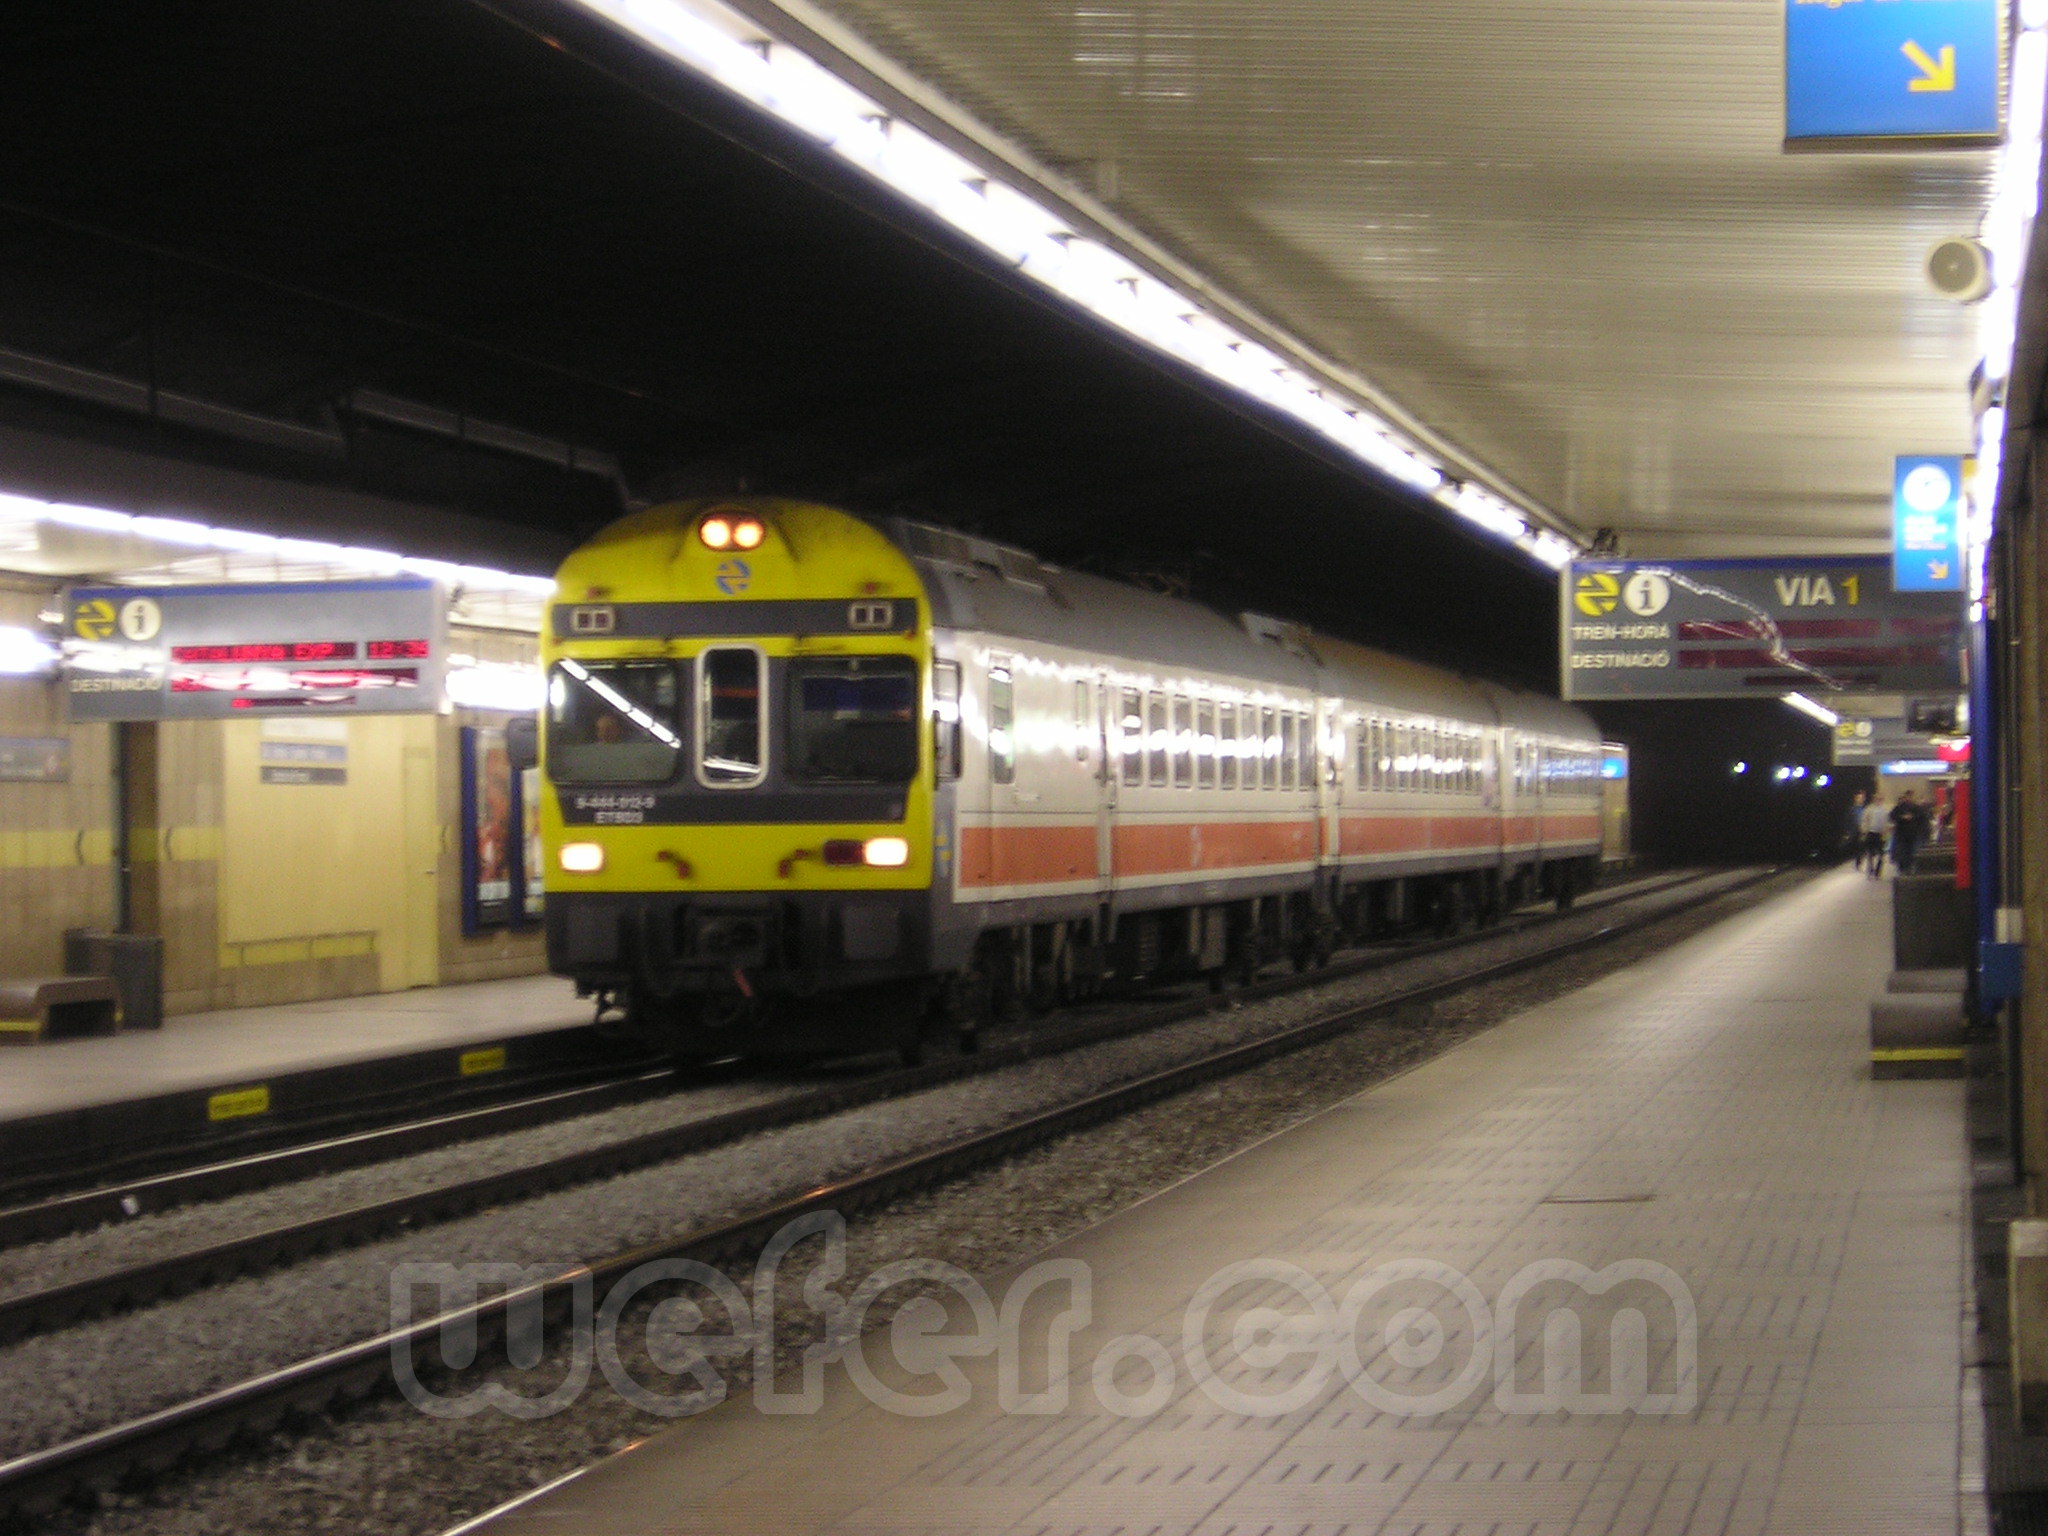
(228, 652)
(1745, 629)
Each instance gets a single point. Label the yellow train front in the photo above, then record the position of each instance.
(740, 787)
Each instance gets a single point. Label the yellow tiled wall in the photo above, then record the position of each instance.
(55, 839)
(264, 892)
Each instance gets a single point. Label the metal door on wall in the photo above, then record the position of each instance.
(422, 961)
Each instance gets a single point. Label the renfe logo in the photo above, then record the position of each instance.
(1816, 591)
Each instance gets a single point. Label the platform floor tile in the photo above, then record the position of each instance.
(1657, 1257)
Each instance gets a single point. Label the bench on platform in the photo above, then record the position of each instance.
(37, 1008)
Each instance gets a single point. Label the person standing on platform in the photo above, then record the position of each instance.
(1874, 822)
(1856, 826)
(1909, 830)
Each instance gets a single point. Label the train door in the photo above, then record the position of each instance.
(1329, 760)
(999, 777)
(1490, 797)
(1108, 770)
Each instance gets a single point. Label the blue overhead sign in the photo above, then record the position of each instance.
(1892, 70)
(1927, 497)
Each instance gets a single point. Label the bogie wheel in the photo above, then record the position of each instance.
(1242, 968)
(1460, 899)
(961, 1008)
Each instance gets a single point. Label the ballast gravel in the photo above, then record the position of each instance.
(89, 1255)
(386, 1467)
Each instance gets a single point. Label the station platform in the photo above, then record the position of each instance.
(1778, 1346)
(243, 1066)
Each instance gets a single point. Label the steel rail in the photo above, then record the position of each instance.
(86, 1209)
(38, 1481)
(54, 1307)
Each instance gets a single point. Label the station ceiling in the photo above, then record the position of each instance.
(1562, 233)
(224, 229)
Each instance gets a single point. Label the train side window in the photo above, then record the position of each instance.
(731, 723)
(1156, 743)
(1269, 750)
(1378, 763)
(1205, 744)
(1441, 761)
(1183, 742)
(1288, 723)
(1226, 746)
(1307, 745)
(946, 719)
(1002, 724)
(1132, 730)
(1084, 719)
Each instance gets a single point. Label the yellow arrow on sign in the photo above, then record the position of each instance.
(1933, 76)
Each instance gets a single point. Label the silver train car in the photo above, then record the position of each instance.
(1034, 782)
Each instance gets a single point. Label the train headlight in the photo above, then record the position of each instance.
(581, 858)
(747, 533)
(717, 533)
(875, 852)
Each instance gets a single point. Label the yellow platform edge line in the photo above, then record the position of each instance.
(1920, 1053)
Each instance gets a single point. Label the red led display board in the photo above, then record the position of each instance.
(174, 653)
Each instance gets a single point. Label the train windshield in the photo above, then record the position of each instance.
(853, 721)
(612, 722)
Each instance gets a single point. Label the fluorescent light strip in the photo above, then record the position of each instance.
(1808, 707)
(233, 541)
(2007, 232)
(782, 80)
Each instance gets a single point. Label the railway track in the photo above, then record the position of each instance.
(109, 1203)
(36, 1482)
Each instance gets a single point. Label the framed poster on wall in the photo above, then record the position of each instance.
(488, 849)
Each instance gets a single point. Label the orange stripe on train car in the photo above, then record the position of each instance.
(1026, 855)
(1417, 834)
(1153, 848)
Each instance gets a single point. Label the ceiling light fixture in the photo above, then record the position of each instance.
(725, 47)
(199, 536)
(2007, 232)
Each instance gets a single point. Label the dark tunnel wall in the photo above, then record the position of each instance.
(1689, 806)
